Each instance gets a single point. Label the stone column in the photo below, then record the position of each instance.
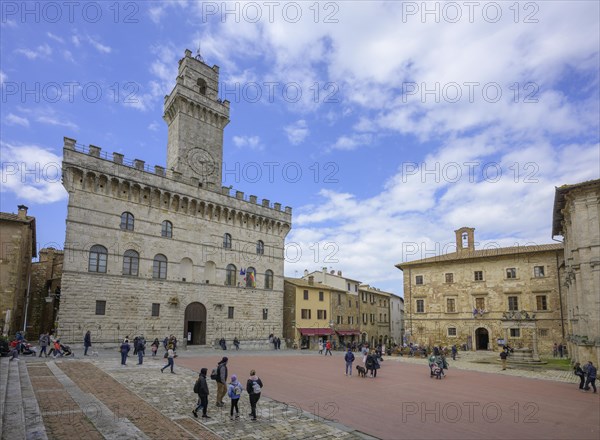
(536, 356)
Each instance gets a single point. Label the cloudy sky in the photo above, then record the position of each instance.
(385, 125)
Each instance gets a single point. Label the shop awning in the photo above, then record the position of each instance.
(347, 332)
(315, 331)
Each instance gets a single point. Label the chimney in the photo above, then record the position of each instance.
(305, 272)
(339, 273)
(325, 270)
(22, 212)
(311, 280)
(332, 272)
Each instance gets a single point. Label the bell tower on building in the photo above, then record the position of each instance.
(196, 118)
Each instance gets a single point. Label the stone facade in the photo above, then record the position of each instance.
(577, 218)
(374, 315)
(159, 252)
(481, 297)
(17, 248)
(396, 319)
(45, 291)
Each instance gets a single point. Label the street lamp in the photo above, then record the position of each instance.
(50, 296)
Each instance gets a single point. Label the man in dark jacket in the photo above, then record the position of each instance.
(221, 381)
(254, 388)
(590, 372)
(349, 358)
(201, 388)
(87, 342)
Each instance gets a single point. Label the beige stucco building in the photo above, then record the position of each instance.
(484, 297)
(17, 248)
(576, 217)
(164, 251)
(375, 316)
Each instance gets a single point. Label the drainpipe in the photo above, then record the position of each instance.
(562, 319)
(410, 302)
(27, 301)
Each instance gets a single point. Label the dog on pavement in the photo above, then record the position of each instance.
(361, 371)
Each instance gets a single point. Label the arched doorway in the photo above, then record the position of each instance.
(482, 339)
(195, 324)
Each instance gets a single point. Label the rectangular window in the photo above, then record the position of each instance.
(543, 332)
(364, 316)
(449, 277)
(478, 275)
(451, 331)
(538, 271)
(515, 332)
(419, 279)
(155, 309)
(372, 318)
(349, 303)
(306, 294)
(513, 303)
(357, 304)
(321, 314)
(305, 313)
(356, 287)
(348, 320)
(100, 307)
(511, 273)
(348, 287)
(339, 299)
(265, 314)
(541, 302)
(380, 317)
(340, 319)
(320, 296)
(480, 303)
(420, 306)
(230, 312)
(450, 305)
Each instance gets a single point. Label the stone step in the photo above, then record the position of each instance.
(13, 423)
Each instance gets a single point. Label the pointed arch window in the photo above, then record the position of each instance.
(167, 229)
(97, 259)
(269, 280)
(127, 221)
(131, 263)
(227, 241)
(230, 275)
(251, 277)
(159, 267)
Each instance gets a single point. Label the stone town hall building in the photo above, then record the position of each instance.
(169, 251)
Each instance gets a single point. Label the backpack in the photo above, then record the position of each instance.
(237, 390)
(197, 386)
(214, 375)
(255, 387)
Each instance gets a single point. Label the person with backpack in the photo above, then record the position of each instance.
(170, 359)
(221, 378)
(141, 350)
(579, 373)
(254, 388)
(201, 388)
(234, 391)
(349, 358)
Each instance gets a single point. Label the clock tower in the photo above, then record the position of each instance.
(196, 118)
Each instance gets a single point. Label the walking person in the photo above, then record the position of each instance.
(320, 346)
(454, 351)
(44, 341)
(349, 358)
(376, 365)
(221, 381)
(234, 392)
(141, 350)
(155, 346)
(328, 348)
(124, 351)
(503, 356)
(254, 388)
(170, 359)
(201, 388)
(580, 373)
(370, 364)
(590, 371)
(236, 343)
(87, 342)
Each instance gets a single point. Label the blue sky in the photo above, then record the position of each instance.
(406, 120)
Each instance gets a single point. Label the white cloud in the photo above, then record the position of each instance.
(67, 55)
(12, 119)
(59, 122)
(102, 48)
(55, 37)
(76, 41)
(248, 142)
(352, 142)
(31, 173)
(42, 51)
(3, 77)
(297, 132)
(154, 126)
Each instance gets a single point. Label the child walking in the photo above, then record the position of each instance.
(234, 392)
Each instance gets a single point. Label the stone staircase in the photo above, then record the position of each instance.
(20, 416)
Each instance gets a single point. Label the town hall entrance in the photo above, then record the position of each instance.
(482, 339)
(195, 324)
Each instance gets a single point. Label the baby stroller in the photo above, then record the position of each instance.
(66, 350)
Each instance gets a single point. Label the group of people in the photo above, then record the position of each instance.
(371, 360)
(233, 390)
(275, 341)
(587, 375)
(559, 350)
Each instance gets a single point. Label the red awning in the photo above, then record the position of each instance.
(315, 331)
(347, 332)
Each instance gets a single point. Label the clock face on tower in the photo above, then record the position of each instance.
(201, 162)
